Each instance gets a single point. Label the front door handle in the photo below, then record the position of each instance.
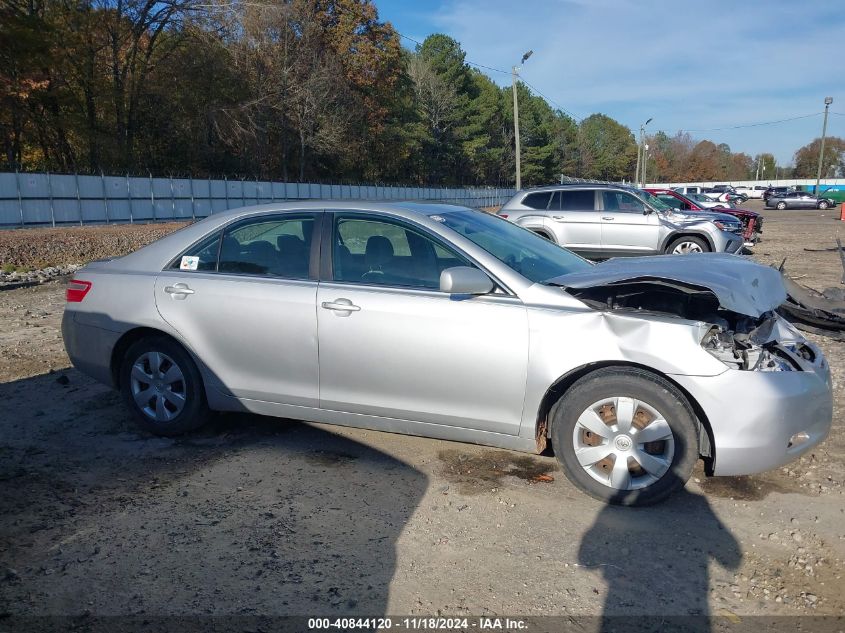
(340, 305)
(178, 291)
(608, 218)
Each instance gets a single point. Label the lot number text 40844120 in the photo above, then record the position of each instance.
(417, 624)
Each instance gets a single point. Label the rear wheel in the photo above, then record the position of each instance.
(162, 387)
(780, 205)
(625, 436)
(688, 244)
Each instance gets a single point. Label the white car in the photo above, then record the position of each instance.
(751, 192)
(688, 190)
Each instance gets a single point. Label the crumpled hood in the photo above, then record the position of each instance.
(739, 284)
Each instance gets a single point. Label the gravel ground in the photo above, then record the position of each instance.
(35, 255)
(258, 516)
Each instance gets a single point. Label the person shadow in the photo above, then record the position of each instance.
(655, 561)
(247, 520)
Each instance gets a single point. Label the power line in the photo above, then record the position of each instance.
(471, 63)
(737, 127)
(553, 102)
(504, 72)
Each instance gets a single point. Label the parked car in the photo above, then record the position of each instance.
(755, 192)
(799, 200)
(752, 223)
(688, 190)
(776, 191)
(723, 221)
(600, 220)
(446, 322)
(724, 194)
(709, 203)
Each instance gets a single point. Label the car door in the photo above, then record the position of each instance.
(626, 227)
(806, 201)
(392, 345)
(575, 220)
(244, 302)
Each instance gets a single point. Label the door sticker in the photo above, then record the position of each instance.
(189, 262)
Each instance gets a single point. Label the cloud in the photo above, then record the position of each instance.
(691, 65)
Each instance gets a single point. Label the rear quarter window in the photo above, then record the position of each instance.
(537, 200)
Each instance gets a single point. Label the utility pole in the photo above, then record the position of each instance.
(827, 102)
(645, 162)
(514, 78)
(640, 151)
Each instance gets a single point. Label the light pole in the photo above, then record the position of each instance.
(640, 151)
(827, 102)
(514, 77)
(645, 162)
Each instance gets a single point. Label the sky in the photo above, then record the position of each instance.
(690, 65)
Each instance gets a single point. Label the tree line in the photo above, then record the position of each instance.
(292, 90)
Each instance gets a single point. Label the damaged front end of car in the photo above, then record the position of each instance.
(764, 342)
(733, 299)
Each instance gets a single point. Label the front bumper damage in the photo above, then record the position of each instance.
(773, 402)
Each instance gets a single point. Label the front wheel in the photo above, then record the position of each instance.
(688, 244)
(162, 387)
(625, 436)
(780, 206)
(823, 205)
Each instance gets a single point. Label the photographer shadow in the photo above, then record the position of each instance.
(655, 561)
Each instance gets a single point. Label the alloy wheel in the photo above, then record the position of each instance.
(684, 248)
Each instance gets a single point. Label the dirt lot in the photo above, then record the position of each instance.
(258, 516)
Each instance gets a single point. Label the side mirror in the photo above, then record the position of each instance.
(463, 280)
(647, 209)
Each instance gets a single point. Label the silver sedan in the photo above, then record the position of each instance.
(445, 322)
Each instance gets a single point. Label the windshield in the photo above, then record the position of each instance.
(656, 202)
(527, 253)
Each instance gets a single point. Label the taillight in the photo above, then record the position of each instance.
(503, 215)
(76, 290)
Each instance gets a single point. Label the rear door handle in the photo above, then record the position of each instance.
(608, 218)
(559, 218)
(340, 305)
(178, 291)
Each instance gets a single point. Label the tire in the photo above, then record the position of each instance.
(688, 244)
(780, 206)
(589, 457)
(823, 205)
(173, 401)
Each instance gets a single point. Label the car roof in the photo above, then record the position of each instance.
(578, 185)
(154, 256)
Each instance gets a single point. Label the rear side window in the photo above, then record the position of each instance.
(579, 200)
(537, 200)
(279, 247)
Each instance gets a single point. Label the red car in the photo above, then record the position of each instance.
(752, 222)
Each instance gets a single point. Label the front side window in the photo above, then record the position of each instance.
(672, 201)
(277, 247)
(622, 201)
(386, 253)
